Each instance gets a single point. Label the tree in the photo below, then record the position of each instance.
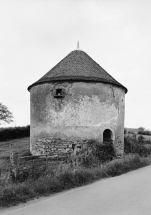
(5, 114)
(141, 129)
(140, 139)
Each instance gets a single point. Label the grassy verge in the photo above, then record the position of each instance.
(64, 178)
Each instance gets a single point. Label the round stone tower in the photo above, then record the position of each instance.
(77, 100)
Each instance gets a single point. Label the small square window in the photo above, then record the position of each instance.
(59, 93)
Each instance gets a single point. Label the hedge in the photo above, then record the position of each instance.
(14, 133)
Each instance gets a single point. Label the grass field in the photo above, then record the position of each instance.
(19, 146)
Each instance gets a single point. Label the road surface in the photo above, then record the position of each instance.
(129, 194)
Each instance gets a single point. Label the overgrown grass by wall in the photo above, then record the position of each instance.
(40, 181)
(139, 146)
(14, 133)
(64, 177)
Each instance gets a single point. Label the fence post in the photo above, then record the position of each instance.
(46, 162)
(32, 168)
(11, 155)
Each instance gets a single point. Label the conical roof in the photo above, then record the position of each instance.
(77, 66)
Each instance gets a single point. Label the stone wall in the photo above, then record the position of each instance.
(83, 113)
(59, 147)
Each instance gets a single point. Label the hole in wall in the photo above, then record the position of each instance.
(107, 135)
(107, 149)
(59, 93)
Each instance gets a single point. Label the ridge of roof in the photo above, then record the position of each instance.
(77, 66)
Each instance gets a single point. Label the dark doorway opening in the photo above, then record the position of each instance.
(107, 135)
(107, 149)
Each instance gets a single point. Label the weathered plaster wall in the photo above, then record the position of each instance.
(84, 113)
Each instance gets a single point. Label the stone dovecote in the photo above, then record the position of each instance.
(77, 100)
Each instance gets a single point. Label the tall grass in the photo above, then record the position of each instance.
(139, 146)
(64, 177)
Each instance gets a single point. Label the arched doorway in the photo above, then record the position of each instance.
(107, 135)
(107, 148)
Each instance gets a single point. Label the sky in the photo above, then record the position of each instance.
(36, 34)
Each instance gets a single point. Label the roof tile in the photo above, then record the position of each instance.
(77, 66)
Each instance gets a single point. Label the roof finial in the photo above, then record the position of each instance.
(78, 47)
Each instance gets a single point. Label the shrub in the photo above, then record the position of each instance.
(144, 132)
(136, 146)
(104, 152)
(144, 151)
(140, 139)
(130, 145)
(66, 179)
(89, 160)
(14, 194)
(120, 166)
(99, 153)
(29, 171)
(84, 176)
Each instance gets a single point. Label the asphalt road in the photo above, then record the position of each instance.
(129, 194)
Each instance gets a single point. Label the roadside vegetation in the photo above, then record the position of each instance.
(46, 178)
(43, 183)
